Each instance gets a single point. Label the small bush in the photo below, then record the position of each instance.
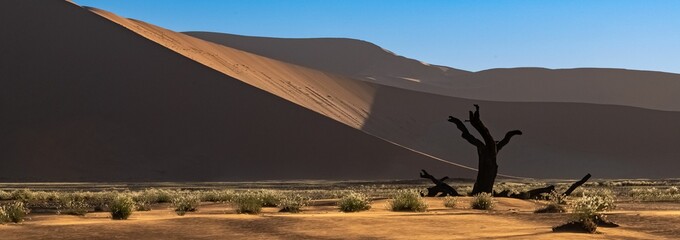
(100, 200)
(589, 207)
(74, 206)
(354, 202)
(220, 196)
(270, 198)
(13, 212)
(293, 203)
(556, 197)
(407, 200)
(187, 202)
(450, 202)
(4, 195)
(122, 207)
(482, 201)
(248, 202)
(551, 208)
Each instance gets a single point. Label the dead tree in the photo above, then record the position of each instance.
(576, 184)
(487, 150)
(539, 193)
(440, 186)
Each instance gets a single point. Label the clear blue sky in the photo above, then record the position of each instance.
(470, 35)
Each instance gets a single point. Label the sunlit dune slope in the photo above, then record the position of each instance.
(368, 62)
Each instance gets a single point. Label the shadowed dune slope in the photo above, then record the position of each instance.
(368, 62)
(84, 99)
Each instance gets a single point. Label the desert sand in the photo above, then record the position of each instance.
(511, 219)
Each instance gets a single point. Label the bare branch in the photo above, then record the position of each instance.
(477, 123)
(465, 133)
(506, 139)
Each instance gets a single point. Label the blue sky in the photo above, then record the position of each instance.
(470, 35)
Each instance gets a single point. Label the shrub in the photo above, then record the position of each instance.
(122, 207)
(100, 200)
(450, 202)
(4, 195)
(407, 200)
(187, 202)
(22, 195)
(248, 202)
(482, 201)
(589, 207)
(354, 202)
(671, 194)
(217, 196)
(551, 208)
(293, 203)
(270, 198)
(556, 197)
(13, 212)
(74, 206)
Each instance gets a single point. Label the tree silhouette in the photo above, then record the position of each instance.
(487, 150)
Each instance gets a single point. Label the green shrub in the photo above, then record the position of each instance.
(270, 198)
(121, 207)
(450, 202)
(407, 200)
(4, 195)
(13, 212)
(482, 201)
(556, 197)
(293, 203)
(551, 208)
(22, 195)
(187, 202)
(248, 202)
(100, 200)
(74, 206)
(590, 207)
(354, 202)
(220, 196)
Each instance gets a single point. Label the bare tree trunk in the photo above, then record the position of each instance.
(440, 186)
(487, 150)
(576, 184)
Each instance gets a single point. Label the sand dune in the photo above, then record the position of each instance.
(100, 97)
(366, 61)
(560, 142)
(84, 99)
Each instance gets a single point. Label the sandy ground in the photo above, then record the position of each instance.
(511, 219)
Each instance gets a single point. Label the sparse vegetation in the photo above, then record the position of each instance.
(220, 196)
(248, 202)
(293, 203)
(556, 200)
(482, 201)
(187, 202)
(270, 198)
(122, 207)
(13, 212)
(587, 212)
(450, 202)
(407, 200)
(74, 206)
(653, 194)
(354, 202)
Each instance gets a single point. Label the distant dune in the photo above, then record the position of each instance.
(366, 61)
(90, 96)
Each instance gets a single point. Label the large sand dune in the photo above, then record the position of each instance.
(366, 61)
(88, 97)
(82, 98)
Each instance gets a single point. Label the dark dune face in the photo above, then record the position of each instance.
(83, 99)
